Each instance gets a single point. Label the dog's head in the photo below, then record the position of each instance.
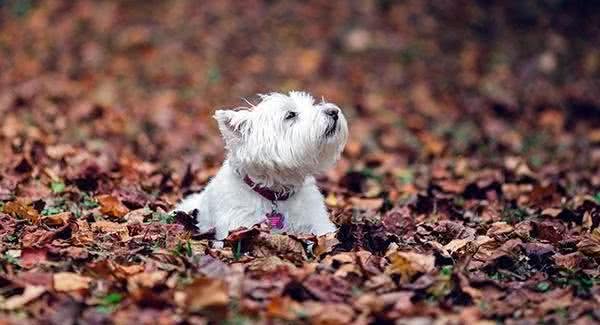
(284, 138)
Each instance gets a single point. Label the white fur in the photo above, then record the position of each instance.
(277, 153)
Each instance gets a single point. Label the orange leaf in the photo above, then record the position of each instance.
(21, 210)
(111, 206)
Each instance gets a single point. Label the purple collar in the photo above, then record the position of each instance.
(266, 192)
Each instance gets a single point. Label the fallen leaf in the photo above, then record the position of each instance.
(31, 293)
(499, 228)
(283, 308)
(205, 293)
(549, 230)
(31, 256)
(408, 264)
(327, 288)
(568, 261)
(58, 219)
(137, 216)
(590, 244)
(269, 264)
(399, 221)
(111, 206)
(145, 280)
(268, 244)
(112, 227)
(456, 244)
(325, 244)
(329, 313)
(67, 281)
(83, 234)
(21, 210)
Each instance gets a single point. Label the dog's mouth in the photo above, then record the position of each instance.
(331, 128)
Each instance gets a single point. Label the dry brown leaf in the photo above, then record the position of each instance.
(561, 298)
(31, 256)
(325, 244)
(127, 270)
(112, 227)
(456, 244)
(267, 244)
(59, 219)
(499, 228)
(369, 303)
(145, 280)
(31, 293)
(408, 264)
(590, 244)
(269, 264)
(137, 216)
(283, 308)
(111, 206)
(568, 261)
(83, 235)
(205, 293)
(21, 210)
(68, 281)
(328, 313)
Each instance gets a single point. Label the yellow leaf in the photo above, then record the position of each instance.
(408, 264)
(21, 210)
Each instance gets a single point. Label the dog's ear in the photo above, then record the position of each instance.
(234, 125)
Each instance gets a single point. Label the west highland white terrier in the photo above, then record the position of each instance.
(274, 149)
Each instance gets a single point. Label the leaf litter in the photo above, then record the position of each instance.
(469, 191)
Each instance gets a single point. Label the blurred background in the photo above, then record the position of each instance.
(136, 82)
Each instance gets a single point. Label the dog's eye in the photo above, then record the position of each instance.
(290, 115)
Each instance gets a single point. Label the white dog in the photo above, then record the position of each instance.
(273, 151)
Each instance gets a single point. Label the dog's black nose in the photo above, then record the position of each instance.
(332, 111)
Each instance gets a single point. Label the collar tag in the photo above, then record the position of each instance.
(276, 219)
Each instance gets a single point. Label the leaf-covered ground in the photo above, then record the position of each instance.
(469, 190)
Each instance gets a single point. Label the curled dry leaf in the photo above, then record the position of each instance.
(83, 234)
(325, 244)
(590, 244)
